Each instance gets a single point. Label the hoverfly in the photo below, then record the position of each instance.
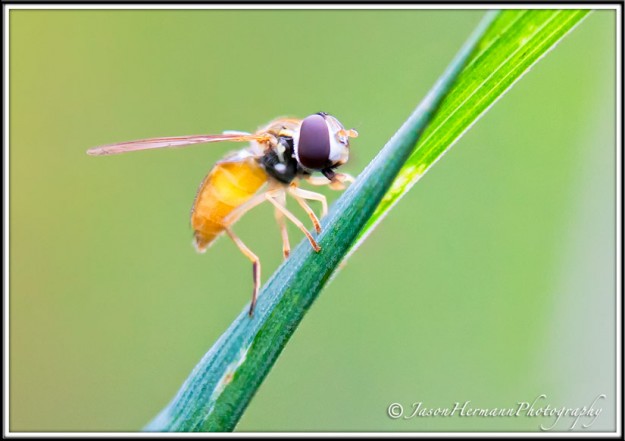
(279, 155)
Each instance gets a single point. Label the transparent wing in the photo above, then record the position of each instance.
(174, 141)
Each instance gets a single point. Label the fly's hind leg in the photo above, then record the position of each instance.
(258, 199)
(255, 266)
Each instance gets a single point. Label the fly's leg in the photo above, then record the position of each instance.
(257, 200)
(286, 247)
(337, 183)
(317, 180)
(255, 266)
(277, 197)
(293, 219)
(246, 206)
(300, 193)
(301, 196)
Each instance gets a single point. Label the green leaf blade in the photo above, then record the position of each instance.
(502, 48)
(516, 40)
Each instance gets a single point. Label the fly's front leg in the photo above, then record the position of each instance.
(339, 180)
(336, 183)
(317, 180)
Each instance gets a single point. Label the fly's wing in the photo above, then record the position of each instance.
(174, 141)
(279, 124)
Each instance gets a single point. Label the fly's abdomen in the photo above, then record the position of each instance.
(227, 186)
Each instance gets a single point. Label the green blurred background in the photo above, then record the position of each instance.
(492, 281)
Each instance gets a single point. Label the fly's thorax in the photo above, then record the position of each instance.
(279, 161)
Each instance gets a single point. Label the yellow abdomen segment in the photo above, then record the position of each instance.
(227, 186)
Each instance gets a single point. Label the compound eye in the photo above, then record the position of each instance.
(313, 147)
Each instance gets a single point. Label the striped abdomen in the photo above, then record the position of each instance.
(227, 186)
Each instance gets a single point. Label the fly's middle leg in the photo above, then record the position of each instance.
(293, 219)
(286, 247)
(301, 195)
